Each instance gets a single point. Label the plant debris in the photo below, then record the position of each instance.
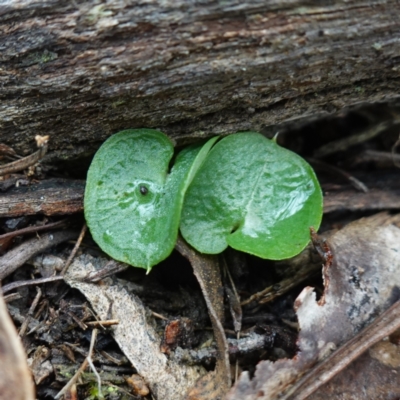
(135, 333)
(15, 379)
(362, 282)
(28, 161)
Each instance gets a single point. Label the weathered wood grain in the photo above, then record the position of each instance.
(49, 197)
(82, 70)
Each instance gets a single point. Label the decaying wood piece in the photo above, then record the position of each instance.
(49, 197)
(80, 71)
(350, 200)
(383, 193)
(63, 196)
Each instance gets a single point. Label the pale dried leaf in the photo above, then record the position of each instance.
(135, 333)
(362, 282)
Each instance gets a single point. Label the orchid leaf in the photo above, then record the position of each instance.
(132, 204)
(253, 195)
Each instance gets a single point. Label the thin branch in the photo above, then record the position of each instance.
(12, 297)
(31, 229)
(111, 268)
(109, 322)
(343, 144)
(19, 284)
(32, 308)
(235, 308)
(357, 184)
(18, 256)
(28, 161)
(7, 151)
(78, 373)
(385, 157)
(157, 315)
(395, 157)
(74, 250)
(272, 292)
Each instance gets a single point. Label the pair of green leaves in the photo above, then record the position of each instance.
(244, 191)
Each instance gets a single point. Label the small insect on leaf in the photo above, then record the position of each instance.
(144, 190)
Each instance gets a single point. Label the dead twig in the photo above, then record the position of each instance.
(383, 326)
(348, 200)
(7, 151)
(31, 229)
(6, 239)
(19, 284)
(235, 308)
(157, 315)
(384, 159)
(338, 171)
(81, 324)
(252, 343)
(272, 292)
(344, 144)
(54, 196)
(111, 268)
(28, 161)
(22, 253)
(32, 309)
(74, 250)
(108, 322)
(12, 297)
(86, 362)
(395, 157)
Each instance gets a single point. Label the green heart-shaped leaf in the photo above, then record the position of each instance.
(132, 205)
(254, 196)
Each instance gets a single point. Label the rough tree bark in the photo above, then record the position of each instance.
(82, 70)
